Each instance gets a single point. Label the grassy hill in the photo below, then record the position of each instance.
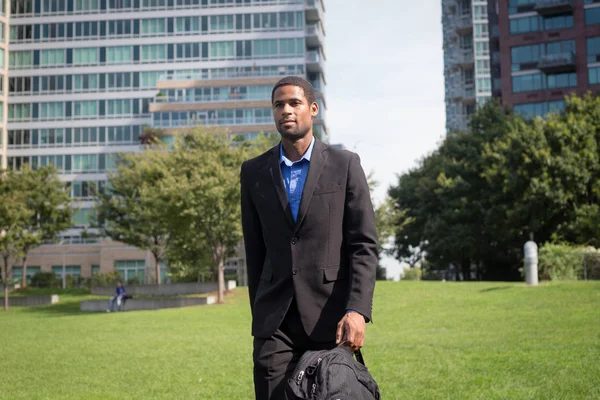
(429, 340)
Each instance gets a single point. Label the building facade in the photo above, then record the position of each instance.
(84, 77)
(544, 50)
(466, 59)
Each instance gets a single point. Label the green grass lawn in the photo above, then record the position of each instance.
(430, 340)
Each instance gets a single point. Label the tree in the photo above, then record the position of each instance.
(48, 200)
(475, 200)
(203, 187)
(387, 219)
(135, 206)
(14, 216)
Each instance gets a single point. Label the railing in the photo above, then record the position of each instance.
(253, 3)
(550, 4)
(557, 60)
(70, 241)
(227, 75)
(463, 22)
(208, 99)
(213, 122)
(313, 56)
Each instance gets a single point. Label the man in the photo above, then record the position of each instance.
(311, 243)
(120, 295)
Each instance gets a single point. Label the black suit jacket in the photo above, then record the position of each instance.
(326, 259)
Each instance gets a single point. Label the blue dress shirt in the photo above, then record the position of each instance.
(294, 176)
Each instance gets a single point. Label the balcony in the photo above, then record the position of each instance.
(558, 62)
(463, 58)
(548, 8)
(463, 24)
(315, 10)
(315, 37)
(314, 62)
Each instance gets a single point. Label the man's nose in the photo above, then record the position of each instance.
(287, 109)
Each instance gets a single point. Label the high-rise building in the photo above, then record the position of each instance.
(84, 76)
(466, 59)
(543, 50)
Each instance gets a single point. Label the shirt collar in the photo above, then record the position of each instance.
(306, 156)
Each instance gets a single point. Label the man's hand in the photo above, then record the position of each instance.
(352, 329)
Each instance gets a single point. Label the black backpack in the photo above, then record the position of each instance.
(332, 375)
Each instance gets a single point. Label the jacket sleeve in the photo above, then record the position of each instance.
(253, 236)
(360, 236)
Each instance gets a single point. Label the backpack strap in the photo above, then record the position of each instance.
(359, 357)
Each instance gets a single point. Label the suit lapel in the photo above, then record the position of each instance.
(275, 171)
(317, 161)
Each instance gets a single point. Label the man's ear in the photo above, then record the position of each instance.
(314, 109)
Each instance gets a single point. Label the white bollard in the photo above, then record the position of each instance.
(531, 263)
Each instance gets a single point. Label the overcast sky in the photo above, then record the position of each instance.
(385, 84)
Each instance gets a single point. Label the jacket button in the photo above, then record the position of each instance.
(295, 271)
(294, 240)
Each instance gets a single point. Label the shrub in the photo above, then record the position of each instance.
(412, 274)
(44, 280)
(561, 262)
(108, 279)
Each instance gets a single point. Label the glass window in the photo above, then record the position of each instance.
(483, 67)
(118, 107)
(51, 137)
(481, 30)
(220, 50)
(95, 269)
(592, 16)
(525, 24)
(52, 110)
(17, 272)
(120, 4)
(154, 3)
(18, 112)
(73, 270)
(88, 108)
(153, 26)
(480, 12)
(556, 81)
(85, 82)
(118, 80)
(131, 270)
(531, 110)
(594, 75)
(86, 29)
(119, 54)
(187, 24)
(525, 57)
(154, 52)
(20, 59)
(558, 22)
(484, 85)
(122, 27)
(482, 49)
(85, 162)
(52, 57)
(526, 83)
(593, 49)
(149, 78)
(86, 5)
(85, 55)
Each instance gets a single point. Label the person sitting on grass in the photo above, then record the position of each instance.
(121, 294)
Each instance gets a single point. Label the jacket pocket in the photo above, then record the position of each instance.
(327, 189)
(335, 274)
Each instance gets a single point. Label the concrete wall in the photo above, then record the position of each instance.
(171, 289)
(29, 301)
(146, 304)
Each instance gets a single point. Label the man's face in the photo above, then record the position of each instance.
(293, 115)
(119, 284)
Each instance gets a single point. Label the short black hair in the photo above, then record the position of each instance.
(309, 91)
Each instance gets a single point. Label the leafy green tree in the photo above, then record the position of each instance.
(14, 216)
(202, 184)
(48, 200)
(135, 205)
